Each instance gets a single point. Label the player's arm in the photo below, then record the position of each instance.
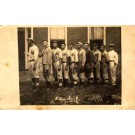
(116, 58)
(76, 57)
(68, 58)
(60, 57)
(99, 57)
(83, 58)
(36, 53)
(49, 56)
(40, 54)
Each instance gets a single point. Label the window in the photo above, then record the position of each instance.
(96, 33)
(57, 33)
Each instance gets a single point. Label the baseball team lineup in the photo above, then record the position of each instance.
(97, 66)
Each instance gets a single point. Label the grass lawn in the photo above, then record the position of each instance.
(85, 95)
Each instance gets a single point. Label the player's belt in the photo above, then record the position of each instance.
(63, 62)
(55, 61)
(72, 62)
(103, 61)
(31, 60)
(111, 60)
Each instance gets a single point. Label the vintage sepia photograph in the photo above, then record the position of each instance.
(70, 65)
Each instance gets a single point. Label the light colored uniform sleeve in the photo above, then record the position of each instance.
(76, 56)
(50, 56)
(36, 52)
(99, 56)
(116, 58)
(83, 58)
(68, 53)
(30, 56)
(106, 56)
(60, 53)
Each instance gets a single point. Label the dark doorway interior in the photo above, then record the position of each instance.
(21, 48)
(59, 41)
(98, 41)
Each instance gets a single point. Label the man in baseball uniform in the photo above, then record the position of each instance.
(47, 62)
(33, 62)
(89, 63)
(104, 64)
(73, 68)
(113, 62)
(81, 62)
(96, 62)
(65, 64)
(57, 67)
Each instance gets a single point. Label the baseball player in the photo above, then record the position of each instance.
(113, 62)
(104, 64)
(33, 62)
(47, 62)
(96, 62)
(65, 64)
(73, 71)
(57, 67)
(81, 62)
(89, 63)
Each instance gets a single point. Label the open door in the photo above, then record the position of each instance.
(98, 41)
(21, 48)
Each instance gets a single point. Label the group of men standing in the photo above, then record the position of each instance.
(74, 64)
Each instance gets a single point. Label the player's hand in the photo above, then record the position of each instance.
(115, 64)
(59, 68)
(81, 68)
(47, 67)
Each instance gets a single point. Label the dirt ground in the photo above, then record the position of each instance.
(80, 95)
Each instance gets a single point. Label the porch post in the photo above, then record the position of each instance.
(88, 34)
(104, 34)
(49, 36)
(66, 37)
(26, 49)
(31, 32)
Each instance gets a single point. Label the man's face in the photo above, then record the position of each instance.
(95, 47)
(79, 46)
(102, 48)
(70, 47)
(110, 48)
(63, 46)
(86, 46)
(55, 45)
(29, 42)
(45, 43)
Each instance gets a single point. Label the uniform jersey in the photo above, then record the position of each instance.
(47, 55)
(33, 53)
(113, 56)
(89, 57)
(56, 55)
(81, 57)
(97, 56)
(104, 56)
(73, 55)
(65, 55)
